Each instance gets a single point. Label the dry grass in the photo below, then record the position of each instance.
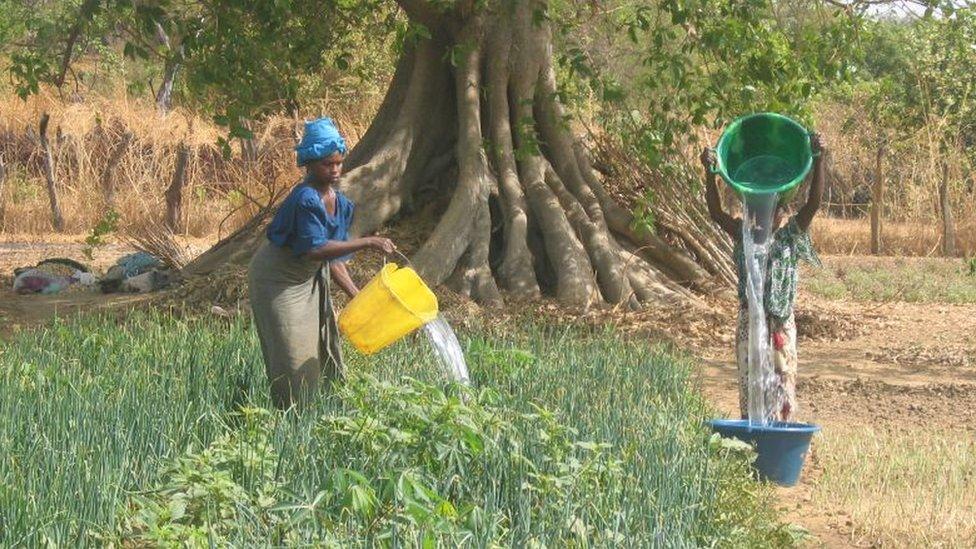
(912, 165)
(835, 236)
(158, 240)
(220, 192)
(901, 488)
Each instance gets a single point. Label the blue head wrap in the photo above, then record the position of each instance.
(321, 139)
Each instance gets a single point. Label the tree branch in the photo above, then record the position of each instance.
(87, 11)
(420, 11)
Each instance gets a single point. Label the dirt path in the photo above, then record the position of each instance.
(20, 311)
(892, 365)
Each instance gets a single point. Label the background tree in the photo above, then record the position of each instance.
(477, 96)
(475, 125)
(916, 83)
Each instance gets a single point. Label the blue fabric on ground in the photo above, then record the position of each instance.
(137, 263)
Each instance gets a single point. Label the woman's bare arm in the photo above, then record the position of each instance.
(729, 224)
(340, 274)
(335, 249)
(804, 218)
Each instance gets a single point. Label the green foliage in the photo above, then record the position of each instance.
(682, 64)
(971, 266)
(282, 50)
(238, 59)
(922, 73)
(108, 224)
(204, 496)
(149, 431)
(414, 462)
(35, 37)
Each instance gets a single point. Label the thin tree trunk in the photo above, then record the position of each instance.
(948, 225)
(296, 121)
(877, 204)
(52, 189)
(86, 12)
(249, 145)
(3, 202)
(174, 194)
(108, 176)
(249, 149)
(164, 96)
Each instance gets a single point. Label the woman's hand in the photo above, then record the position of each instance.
(817, 145)
(380, 244)
(707, 159)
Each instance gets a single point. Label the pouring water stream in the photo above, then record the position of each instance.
(757, 236)
(448, 350)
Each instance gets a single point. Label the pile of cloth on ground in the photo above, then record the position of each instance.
(51, 276)
(137, 272)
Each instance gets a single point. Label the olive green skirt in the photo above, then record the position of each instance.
(296, 323)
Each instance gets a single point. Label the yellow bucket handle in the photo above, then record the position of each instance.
(399, 253)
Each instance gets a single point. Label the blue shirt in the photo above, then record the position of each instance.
(302, 224)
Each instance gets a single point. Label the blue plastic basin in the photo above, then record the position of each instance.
(781, 447)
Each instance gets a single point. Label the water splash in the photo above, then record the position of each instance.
(448, 350)
(757, 231)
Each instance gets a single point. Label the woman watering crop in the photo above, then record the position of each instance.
(290, 275)
(790, 243)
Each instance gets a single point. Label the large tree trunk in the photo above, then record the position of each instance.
(472, 114)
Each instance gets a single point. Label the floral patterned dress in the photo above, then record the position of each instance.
(790, 245)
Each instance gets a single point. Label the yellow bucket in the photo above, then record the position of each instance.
(395, 303)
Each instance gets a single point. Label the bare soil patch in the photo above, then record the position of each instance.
(866, 368)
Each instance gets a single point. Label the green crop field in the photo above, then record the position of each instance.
(156, 431)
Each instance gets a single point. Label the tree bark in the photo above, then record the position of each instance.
(948, 225)
(174, 194)
(877, 203)
(57, 220)
(164, 96)
(108, 176)
(472, 115)
(249, 145)
(3, 196)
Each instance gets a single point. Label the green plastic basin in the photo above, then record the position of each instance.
(764, 153)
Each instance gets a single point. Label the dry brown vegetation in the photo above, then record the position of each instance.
(223, 193)
(220, 193)
(837, 236)
(913, 167)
